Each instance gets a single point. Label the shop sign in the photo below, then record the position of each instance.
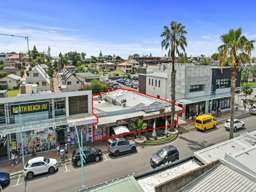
(29, 108)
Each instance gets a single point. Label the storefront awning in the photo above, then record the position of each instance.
(120, 130)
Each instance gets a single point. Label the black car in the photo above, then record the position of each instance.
(4, 179)
(91, 155)
(165, 155)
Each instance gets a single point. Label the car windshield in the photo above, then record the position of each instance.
(46, 160)
(162, 153)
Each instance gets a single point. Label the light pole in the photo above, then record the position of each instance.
(21, 137)
(82, 155)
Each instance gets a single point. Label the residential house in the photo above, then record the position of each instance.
(129, 66)
(199, 88)
(71, 81)
(107, 66)
(39, 76)
(11, 81)
(15, 60)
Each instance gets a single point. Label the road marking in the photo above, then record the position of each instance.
(66, 168)
(18, 180)
(105, 156)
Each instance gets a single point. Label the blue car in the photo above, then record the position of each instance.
(4, 179)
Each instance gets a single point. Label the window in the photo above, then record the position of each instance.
(43, 83)
(69, 83)
(158, 83)
(35, 74)
(77, 82)
(194, 88)
(37, 164)
(122, 143)
(78, 104)
(222, 83)
(152, 82)
(149, 81)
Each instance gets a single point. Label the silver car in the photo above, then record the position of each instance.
(118, 146)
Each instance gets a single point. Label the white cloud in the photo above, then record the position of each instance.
(206, 37)
(60, 41)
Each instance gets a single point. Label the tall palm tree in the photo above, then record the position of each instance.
(174, 42)
(235, 51)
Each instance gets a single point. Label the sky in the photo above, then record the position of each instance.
(121, 27)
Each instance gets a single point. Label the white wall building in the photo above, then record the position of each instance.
(11, 81)
(39, 76)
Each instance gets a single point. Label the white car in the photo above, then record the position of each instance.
(252, 110)
(238, 124)
(40, 165)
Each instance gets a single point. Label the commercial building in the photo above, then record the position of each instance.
(118, 110)
(45, 120)
(199, 88)
(227, 166)
(49, 119)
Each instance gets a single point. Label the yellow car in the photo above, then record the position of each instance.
(205, 122)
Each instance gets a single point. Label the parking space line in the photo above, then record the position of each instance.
(66, 168)
(18, 180)
(105, 156)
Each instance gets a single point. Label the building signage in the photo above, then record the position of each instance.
(29, 108)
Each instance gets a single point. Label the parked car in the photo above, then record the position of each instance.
(252, 110)
(165, 155)
(92, 154)
(4, 179)
(40, 165)
(238, 124)
(118, 146)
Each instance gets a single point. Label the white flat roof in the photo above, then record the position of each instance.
(233, 146)
(148, 183)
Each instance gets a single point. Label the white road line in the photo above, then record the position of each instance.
(18, 180)
(66, 168)
(105, 156)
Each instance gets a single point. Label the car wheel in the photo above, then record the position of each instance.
(117, 153)
(51, 170)
(97, 158)
(78, 163)
(134, 149)
(30, 175)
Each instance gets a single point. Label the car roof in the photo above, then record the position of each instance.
(35, 160)
(204, 117)
(117, 139)
(169, 147)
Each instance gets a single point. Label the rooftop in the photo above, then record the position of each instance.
(223, 177)
(231, 147)
(127, 184)
(149, 182)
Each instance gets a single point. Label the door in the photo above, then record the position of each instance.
(39, 167)
(122, 146)
(172, 155)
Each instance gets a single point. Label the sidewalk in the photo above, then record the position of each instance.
(14, 170)
(189, 125)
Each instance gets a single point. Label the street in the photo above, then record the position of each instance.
(68, 177)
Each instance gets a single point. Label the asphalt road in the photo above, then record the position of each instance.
(68, 178)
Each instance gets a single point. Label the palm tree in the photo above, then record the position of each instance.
(139, 126)
(174, 41)
(236, 50)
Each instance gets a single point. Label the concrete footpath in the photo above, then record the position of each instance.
(189, 125)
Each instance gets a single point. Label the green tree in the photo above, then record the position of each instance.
(244, 75)
(215, 56)
(253, 70)
(247, 90)
(139, 125)
(97, 87)
(174, 42)
(34, 53)
(235, 50)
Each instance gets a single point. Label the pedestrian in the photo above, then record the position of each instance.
(58, 149)
(12, 158)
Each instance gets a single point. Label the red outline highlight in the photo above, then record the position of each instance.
(104, 138)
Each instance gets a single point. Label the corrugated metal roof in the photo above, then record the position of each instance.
(128, 184)
(221, 179)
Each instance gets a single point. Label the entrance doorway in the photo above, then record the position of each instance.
(60, 132)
